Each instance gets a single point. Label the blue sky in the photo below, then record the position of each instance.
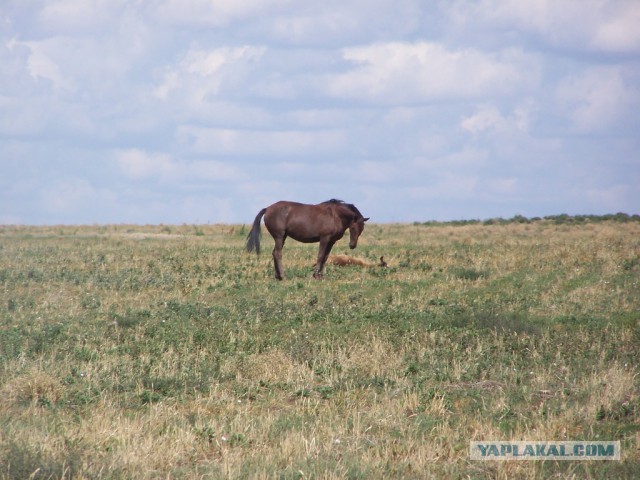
(205, 111)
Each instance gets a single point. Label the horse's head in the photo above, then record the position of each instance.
(355, 229)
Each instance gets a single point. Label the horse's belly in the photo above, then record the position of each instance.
(304, 238)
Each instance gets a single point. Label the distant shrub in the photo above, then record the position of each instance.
(519, 219)
(495, 221)
(561, 219)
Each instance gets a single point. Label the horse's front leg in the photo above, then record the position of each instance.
(323, 254)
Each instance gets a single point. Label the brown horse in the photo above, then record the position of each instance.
(324, 223)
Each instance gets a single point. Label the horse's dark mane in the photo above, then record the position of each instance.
(334, 201)
(350, 206)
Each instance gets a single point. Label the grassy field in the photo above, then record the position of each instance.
(169, 352)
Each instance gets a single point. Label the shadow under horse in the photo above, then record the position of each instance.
(325, 222)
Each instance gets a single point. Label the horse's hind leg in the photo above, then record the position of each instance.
(277, 258)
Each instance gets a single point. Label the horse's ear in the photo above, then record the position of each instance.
(365, 219)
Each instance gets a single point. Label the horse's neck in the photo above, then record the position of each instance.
(345, 215)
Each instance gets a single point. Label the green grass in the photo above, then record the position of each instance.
(167, 351)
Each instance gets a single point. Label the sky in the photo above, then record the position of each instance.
(206, 111)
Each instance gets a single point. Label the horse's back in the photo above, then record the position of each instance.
(284, 204)
(300, 221)
(284, 208)
(279, 212)
(277, 215)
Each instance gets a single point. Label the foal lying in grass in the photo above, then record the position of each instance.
(346, 260)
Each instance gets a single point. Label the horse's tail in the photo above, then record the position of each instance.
(253, 239)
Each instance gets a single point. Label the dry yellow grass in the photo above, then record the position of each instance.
(167, 352)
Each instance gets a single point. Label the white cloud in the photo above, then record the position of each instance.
(486, 118)
(501, 187)
(292, 168)
(201, 72)
(619, 32)
(608, 199)
(42, 64)
(377, 172)
(597, 25)
(596, 99)
(321, 117)
(21, 121)
(489, 118)
(463, 160)
(212, 170)
(137, 164)
(222, 141)
(474, 189)
(80, 16)
(465, 102)
(392, 73)
(212, 13)
(340, 22)
(74, 196)
(209, 208)
(446, 186)
(93, 66)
